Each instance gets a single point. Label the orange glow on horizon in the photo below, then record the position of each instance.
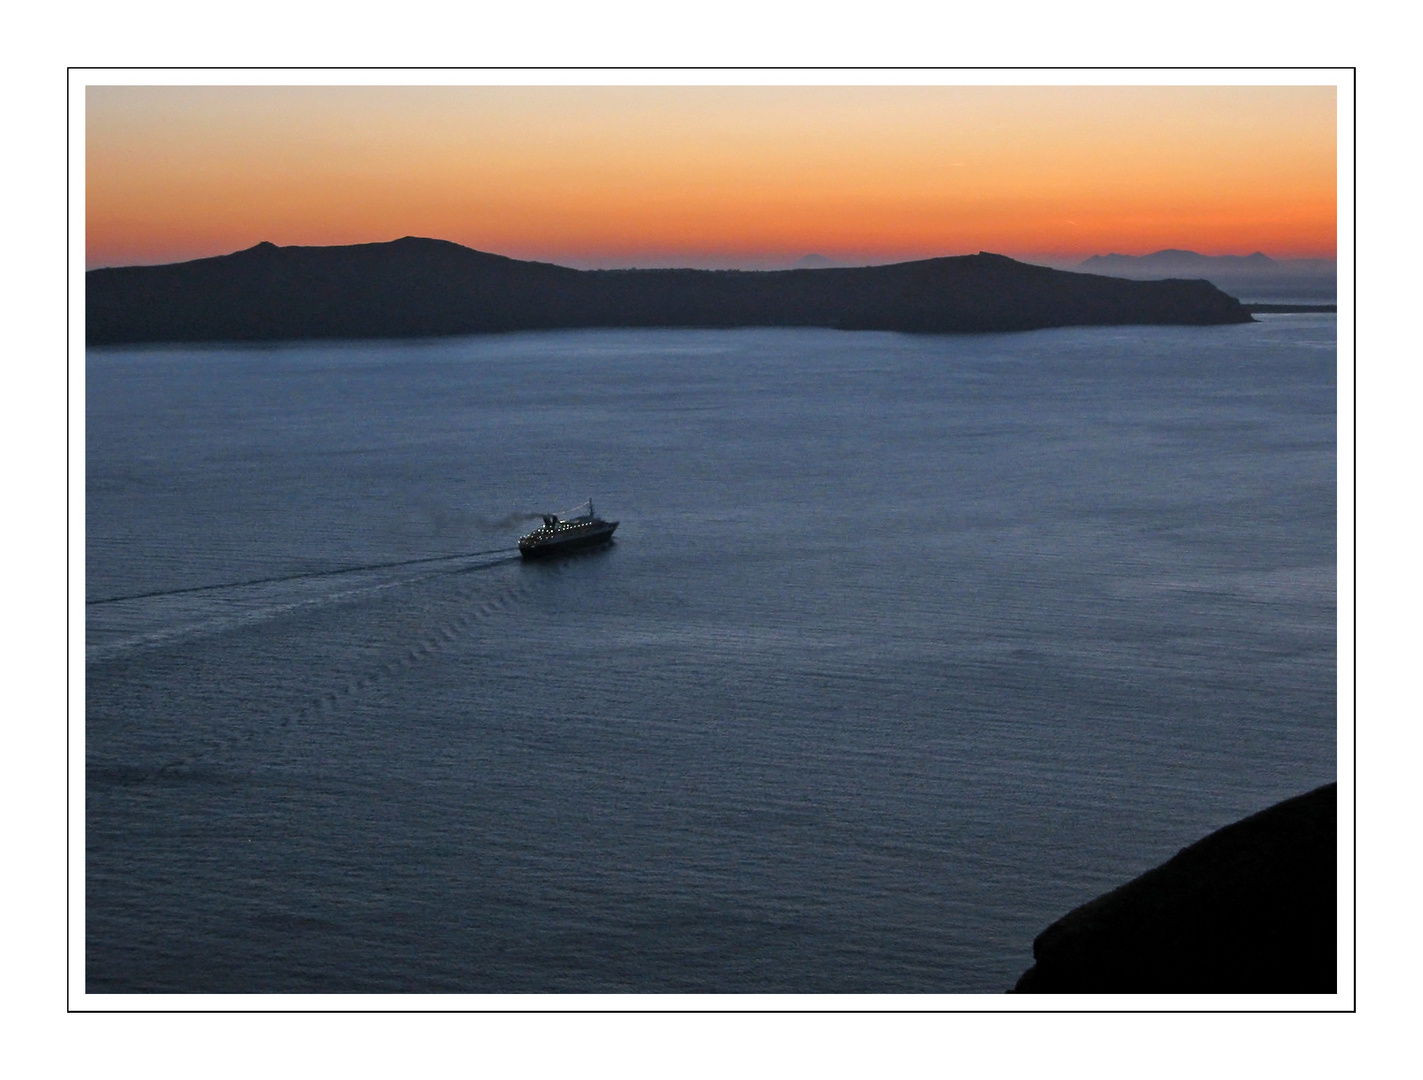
(750, 175)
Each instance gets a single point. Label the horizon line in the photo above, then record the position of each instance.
(710, 260)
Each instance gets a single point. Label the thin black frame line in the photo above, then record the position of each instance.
(716, 1012)
(1353, 76)
(1354, 91)
(68, 547)
(714, 67)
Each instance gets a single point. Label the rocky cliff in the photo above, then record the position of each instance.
(1249, 909)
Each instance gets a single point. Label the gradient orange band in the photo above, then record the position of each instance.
(713, 175)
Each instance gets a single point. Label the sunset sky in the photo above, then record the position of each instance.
(713, 175)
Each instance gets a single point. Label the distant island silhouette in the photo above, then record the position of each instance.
(1253, 278)
(1174, 262)
(416, 287)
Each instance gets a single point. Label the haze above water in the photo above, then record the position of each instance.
(907, 645)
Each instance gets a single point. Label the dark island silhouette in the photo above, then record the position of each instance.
(1250, 909)
(417, 287)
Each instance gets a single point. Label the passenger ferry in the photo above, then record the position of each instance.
(561, 535)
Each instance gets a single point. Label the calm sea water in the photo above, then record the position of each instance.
(907, 645)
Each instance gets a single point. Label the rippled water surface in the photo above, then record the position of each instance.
(906, 646)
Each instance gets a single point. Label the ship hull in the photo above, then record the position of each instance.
(556, 546)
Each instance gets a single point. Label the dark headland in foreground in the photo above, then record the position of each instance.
(420, 288)
(1249, 909)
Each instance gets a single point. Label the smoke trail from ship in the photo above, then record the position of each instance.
(509, 521)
